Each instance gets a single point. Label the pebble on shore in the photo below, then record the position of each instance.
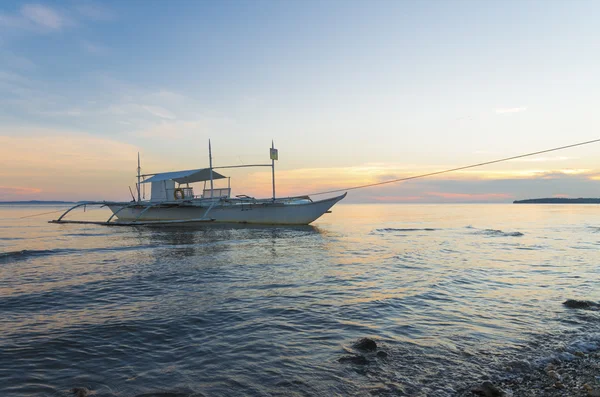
(574, 374)
(560, 378)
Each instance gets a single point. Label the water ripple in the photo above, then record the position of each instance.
(225, 310)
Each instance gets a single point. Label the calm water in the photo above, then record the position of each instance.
(453, 293)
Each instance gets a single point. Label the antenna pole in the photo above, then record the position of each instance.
(211, 168)
(273, 168)
(139, 176)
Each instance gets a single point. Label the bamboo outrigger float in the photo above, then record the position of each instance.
(171, 204)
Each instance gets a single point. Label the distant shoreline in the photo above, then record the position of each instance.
(36, 202)
(557, 200)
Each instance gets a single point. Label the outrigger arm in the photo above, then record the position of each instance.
(76, 206)
(124, 206)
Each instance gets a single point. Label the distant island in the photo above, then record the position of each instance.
(559, 200)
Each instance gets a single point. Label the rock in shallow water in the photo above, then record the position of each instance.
(357, 359)
(591, 392)
(80, 392)
(382, 354)
(487, 389)
(365, 344)
(577, 304)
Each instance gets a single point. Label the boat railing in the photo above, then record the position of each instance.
(216, 193)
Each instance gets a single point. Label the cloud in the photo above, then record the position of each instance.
(545, 159)
(8, 193)
(511, 110)
(159, 112)
(22, 94)
(40, 18)
(73, 112)
(64, 165)
(44, 16)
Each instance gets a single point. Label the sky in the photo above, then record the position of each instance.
(351, 92)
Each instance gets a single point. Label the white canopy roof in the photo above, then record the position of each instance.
(189, 176)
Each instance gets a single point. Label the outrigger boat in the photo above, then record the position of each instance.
(173, 200)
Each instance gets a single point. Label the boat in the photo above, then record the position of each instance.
(173, 201)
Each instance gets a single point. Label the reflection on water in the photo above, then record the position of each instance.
(450, 292)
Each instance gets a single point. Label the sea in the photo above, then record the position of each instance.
(452, 294)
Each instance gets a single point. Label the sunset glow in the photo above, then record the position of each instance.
(360, 101)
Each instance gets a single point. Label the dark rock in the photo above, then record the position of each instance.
(591, 392)
(80, 392)
(577, 304)
(365, 344)
(382, 354)
(356, 359)
(487, 389)
(559, 385)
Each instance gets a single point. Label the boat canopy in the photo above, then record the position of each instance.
(189, 176)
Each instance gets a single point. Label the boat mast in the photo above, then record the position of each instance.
(273, 157)
(139, 177)
(210, 164)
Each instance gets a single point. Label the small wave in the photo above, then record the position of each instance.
(391, 229)
(87, 234)
(498, 233)
(26, 254)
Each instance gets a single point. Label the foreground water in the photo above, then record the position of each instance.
(452, 293)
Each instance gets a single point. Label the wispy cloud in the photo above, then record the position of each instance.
(139, 111)
(14, 192)
(41, 18)
(44, 16)
(510, 110)
(545, 159)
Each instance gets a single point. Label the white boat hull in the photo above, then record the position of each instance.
(254, 213)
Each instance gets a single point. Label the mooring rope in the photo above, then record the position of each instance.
(43, 213)
(457, 169)
(51, 212)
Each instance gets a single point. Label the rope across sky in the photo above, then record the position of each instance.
(459, 168)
